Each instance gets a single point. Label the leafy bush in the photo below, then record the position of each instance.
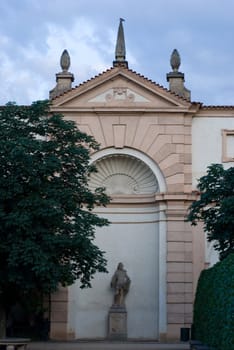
(214, 306)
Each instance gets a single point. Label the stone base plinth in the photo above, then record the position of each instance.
(117, 323)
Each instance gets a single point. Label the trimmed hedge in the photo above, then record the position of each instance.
(213, 318)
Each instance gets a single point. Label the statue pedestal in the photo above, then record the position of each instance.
(117, 323)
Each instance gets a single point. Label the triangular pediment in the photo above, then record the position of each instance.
(120, 88)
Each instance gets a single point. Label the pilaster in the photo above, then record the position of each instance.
(179, 264)
(59, 315)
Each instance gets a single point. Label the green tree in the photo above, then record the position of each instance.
(47, 223)
(215, 208)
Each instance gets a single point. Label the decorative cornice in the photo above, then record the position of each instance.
(178, 197)
(217, 107)
(128, 74)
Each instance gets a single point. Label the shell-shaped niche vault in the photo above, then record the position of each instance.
(123, 174)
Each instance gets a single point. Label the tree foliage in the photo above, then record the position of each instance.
(215, 208)
(47, 225)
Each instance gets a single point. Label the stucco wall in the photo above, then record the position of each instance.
(132, 238)
(207, 143)
(207, 148)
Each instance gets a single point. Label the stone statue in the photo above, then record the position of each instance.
(120, 282)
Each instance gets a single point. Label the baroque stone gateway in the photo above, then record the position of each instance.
(155, 142)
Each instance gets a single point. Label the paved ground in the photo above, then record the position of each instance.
(102, 345)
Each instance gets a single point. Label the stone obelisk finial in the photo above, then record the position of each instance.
(176, 78)
(120, 51)
(64, 79)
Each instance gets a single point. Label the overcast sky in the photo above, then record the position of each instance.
(33, 34)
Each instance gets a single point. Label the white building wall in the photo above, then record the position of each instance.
(207, 143)
(207, 149)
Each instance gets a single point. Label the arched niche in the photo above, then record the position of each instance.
(123, 174)
(137, 237)
(126, 171)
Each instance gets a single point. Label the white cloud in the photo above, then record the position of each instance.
(31, 72)
(34, 75)
(34, 33)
